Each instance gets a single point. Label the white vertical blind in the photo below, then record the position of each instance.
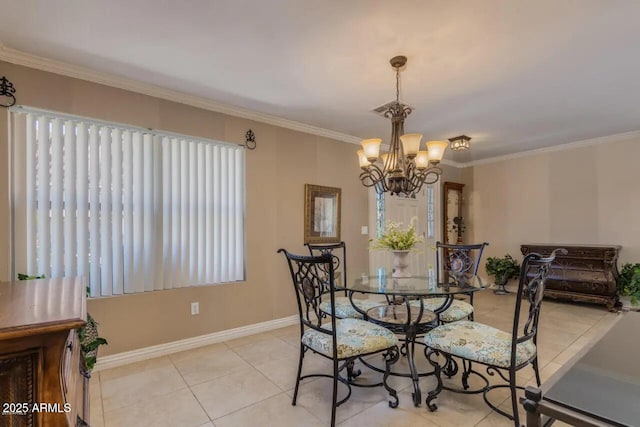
(132, 210)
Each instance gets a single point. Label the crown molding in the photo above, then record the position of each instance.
(18, 57)
(555, 148)
(452, 163)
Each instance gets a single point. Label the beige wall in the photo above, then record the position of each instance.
(276, 173)
(587, 195)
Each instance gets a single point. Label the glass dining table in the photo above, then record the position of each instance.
(404, 311)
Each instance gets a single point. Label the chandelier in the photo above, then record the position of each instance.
(404, 168)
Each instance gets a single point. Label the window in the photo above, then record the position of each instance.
(131, 209)
(380, 208)
(431, 217)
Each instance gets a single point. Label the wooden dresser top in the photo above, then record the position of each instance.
(32, 307)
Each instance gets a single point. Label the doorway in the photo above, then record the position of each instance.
(426, 206)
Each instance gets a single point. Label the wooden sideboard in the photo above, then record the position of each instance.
(40, 355)
(585, 274)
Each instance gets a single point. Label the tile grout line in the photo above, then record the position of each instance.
(191, 391)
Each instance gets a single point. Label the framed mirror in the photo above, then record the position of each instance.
(321, 214)
(452, 221)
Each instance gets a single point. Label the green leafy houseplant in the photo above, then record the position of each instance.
(396, 237)
(502, 269)
(629, 282)
(90, 340)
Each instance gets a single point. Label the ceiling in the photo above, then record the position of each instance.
(513, 75)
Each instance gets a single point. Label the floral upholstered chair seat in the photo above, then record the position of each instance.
(478, 342)
(458, 310)
(354, 337)
(344, 308)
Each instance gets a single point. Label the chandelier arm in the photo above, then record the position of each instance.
(372, 175)
(414, 180)
(432, 174)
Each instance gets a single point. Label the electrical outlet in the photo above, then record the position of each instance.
(195, 308)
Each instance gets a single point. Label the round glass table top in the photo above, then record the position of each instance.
(417, 285)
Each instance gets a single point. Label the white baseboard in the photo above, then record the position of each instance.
(145, 353)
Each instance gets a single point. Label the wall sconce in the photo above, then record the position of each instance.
(7, 91)
(250, 140)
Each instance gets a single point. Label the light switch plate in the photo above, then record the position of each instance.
(364, 229)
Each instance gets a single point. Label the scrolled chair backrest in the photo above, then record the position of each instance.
(338, 252)
(533, 275)
(313, 281)
(458, 259)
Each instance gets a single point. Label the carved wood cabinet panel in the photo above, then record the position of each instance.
(585, 274)
(40, 353)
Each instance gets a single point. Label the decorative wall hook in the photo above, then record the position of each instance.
(7, 91)
(250, 140)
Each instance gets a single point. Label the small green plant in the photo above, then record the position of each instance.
(90, 341)
(398, 238)
(502, 269)
(27, 277)
(629, 282)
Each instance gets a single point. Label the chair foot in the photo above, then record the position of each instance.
(391, 357)
(433, 394)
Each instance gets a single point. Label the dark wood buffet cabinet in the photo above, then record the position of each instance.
(585, 274)
(41, 383)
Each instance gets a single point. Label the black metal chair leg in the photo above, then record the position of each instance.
(295, 392)
(352, 374)
(466, 371)
(437, 371)
(391, 357)
(334, 400)
(514, 397)
(536, 370)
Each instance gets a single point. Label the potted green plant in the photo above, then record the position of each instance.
(502, 269)
(90, 341)
(628, 282)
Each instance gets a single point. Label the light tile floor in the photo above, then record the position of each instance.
(249, 381)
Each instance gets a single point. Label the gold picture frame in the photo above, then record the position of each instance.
(322, 214)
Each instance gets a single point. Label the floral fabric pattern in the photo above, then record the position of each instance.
(344, 308)
(458, 310)
(354, 337)
(478, 342)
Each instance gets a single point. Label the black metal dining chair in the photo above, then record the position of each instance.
(498, 350)
(343, 341)
(343, 305)
(452, 261)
